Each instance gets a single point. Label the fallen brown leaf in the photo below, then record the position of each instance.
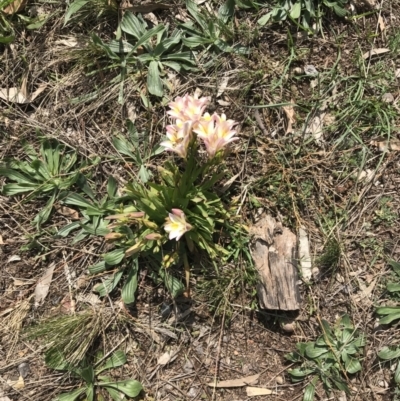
(384, 146)
(43, 285)
(255, 391)
(18, 384)
(68, 212)
(291, 118)
(15, 7)
(381, 23)
(167, 357)
(236, 382)
(20, 95)
(375, 52)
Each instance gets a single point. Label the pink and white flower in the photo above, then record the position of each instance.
(216, 132)
(188, 108)
(179, 136)
(176, 224)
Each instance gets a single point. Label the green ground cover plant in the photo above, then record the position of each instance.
(336, 353)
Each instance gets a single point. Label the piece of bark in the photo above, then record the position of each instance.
(275, 257)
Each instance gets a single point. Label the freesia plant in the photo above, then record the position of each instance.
(164, 222)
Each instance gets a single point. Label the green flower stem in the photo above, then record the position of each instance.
(187, 273)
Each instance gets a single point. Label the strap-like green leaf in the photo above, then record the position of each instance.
(71, 396)
(131, 388)
(73, 8)
(118, 358)
(114, 257)
(130, 287)
(388, 353)
(108, 284)
(154, 83)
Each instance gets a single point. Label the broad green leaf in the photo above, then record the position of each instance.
(144, 174)
(389, 318)
(71, 396)
(98, 267)
(77, 200)
(341, 385)
(223, 46)
(396, 376)
(174, 286)
(108, 284)
(296, 10)
(186, 57)
(264, 19)
(388, 353)
(340, 11)
(396, 266)
(293, 357)
(87, 374)
(309, 392)
(145, 36)
(130, 287)
(131, 24)
(64, 231)
(90, 393)
(118, 358)
(114, 257)
(386, 310)
(16, 176)
(38, 22)
(124, 147)
(73, 8)
(154, 83)
(299, 374)
(347, 335)
(194, 41)
(313, 351)
(327, 331)
(393, 287)
(120, 46)
(131, 388)
(194, 12)
(115, 395)
(352, 365)
(5, 40)
(112, 186)
(166, 45)
(44, 214)
(15, 189)
(226, 10)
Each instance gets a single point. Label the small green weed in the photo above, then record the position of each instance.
(388, 314)
(146, 52)
(94, 383)
(331, 254)
(10, 23)
(46, 174)
(330, 358)
(306, 14)
(385, 213)
(80, 9)
(392, 354)
(210, 32)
